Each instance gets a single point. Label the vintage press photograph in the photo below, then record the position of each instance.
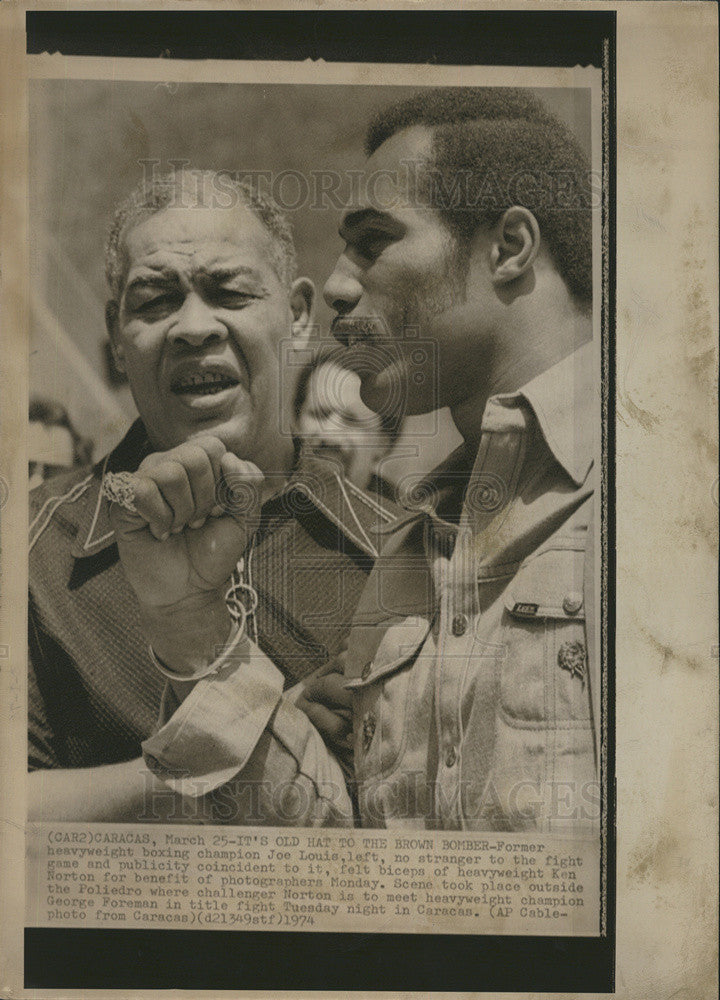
(335, 652)
(317, 597)
(314, 456)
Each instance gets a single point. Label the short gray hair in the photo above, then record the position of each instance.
(206, 188)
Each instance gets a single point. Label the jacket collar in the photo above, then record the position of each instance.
(563, 401)
(313, 485)
(438, 495)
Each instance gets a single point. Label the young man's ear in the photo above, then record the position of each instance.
(515, 245)
(111, 323)
(302, 297)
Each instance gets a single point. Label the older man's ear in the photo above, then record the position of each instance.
(112, 311)
(302, 299)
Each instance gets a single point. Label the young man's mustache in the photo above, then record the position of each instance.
(350, 329)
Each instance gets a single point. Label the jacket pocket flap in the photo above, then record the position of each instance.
(548, 585)
(398, 648)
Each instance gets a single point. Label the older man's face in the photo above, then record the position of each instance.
(198, 330)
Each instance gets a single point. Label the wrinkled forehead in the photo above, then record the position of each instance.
(188, 239)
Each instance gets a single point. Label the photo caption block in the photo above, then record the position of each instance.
(327, 880)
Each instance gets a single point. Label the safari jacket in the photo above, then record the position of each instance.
(472, 658)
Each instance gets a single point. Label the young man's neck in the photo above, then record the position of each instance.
(535, 341)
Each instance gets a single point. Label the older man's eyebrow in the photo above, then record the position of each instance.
(156, 279)
(227, 273)
(163, 277)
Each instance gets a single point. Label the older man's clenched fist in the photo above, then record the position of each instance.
(182, 522)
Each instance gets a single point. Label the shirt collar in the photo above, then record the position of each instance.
(437, 496)
(94, 532)
(357, 514)
(562, 400)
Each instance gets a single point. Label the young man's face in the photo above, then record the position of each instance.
(398, 284)
(336, 424)
(198, 329)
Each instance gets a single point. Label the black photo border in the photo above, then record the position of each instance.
(71, 958)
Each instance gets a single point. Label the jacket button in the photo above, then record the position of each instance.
(366, 670)
(459, 625)
(572, 603)
(450, 757)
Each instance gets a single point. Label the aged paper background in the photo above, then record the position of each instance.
(667, 498)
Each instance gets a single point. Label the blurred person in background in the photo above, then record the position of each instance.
(54, 445)
(333, 422)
